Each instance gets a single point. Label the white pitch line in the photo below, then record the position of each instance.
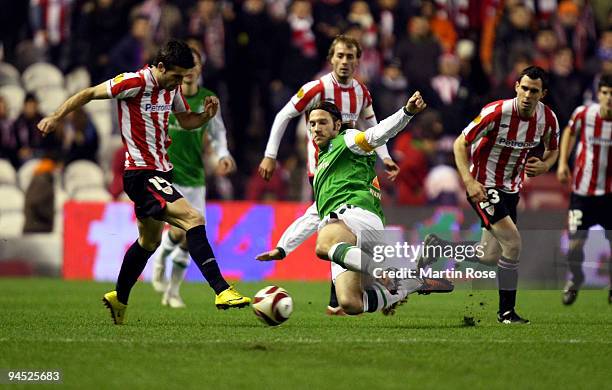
(313, 341)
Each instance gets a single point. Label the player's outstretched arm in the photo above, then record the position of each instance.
(378, 135)
(51, 122)
(191, 120)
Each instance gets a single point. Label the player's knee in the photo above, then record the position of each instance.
(322, 248)
(511, 246)
(193, 218)
(149, 244)
(351, 305)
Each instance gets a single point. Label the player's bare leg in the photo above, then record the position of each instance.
(509, 239)
(180, 214)
(134, 262)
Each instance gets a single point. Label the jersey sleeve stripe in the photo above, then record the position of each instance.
(308, 96)
(132, 84)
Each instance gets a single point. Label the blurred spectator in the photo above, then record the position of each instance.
(449, 93)
(413, 150)
(99, 26)
(50, 22)
(298, 50)
(130, 54)
(565, 90)
(115, 187)
(207, 25)
(329, 22)
(443, 186)
(252, 65)
(505, 90)
(13, 27)
(546, 45)
(391, 21)
(471, 70)
(514, 35)
(274, 189)
(575, 28)
(39, 207)
(600, 65)
(441, 26)
(370, 63)
(390, 91)
(165, 20)
(416, 48)
(29, 141)
(80, 138)
(8, 143)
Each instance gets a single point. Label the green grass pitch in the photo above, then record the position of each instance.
(53, 324)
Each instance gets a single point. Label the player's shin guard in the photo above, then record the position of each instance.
(575, 258)
(350, 257)
(202, 254)
(180, 261)
(507, 279)
(134, 262)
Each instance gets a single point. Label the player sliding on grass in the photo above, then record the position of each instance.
(355, 103)
(498, 142)
(144, 101)
(347, 196)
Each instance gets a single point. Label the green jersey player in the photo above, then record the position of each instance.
(347, 195)
(185, 154)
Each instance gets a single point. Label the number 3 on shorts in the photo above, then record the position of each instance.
(493, 198)
(161, 184)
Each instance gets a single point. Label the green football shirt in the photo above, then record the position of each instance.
(345, 177)
(185, 151)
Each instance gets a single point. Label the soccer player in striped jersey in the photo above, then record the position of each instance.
(145, 100)
(498, 143)
(591, 200)
(355, 103)
(347, 196)
(188, 177)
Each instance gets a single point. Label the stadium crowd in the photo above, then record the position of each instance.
(257, 54)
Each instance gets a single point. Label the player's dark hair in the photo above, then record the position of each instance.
(329, 107)
(534, 73)
(175, 53)
(605, 81)
(348, 42)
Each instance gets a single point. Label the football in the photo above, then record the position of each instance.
(273, 305)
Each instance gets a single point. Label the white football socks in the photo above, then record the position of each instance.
(180, 261)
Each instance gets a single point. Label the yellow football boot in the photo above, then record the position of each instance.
(230, 298)
(117, 309)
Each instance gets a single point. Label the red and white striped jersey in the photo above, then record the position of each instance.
(501, 140)
(143, 109)
(353, 100)
(593, 164)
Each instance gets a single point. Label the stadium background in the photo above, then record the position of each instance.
(460, 54)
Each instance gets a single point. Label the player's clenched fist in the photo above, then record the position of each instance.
(211, 105)
(416, 103)
(48, 125)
